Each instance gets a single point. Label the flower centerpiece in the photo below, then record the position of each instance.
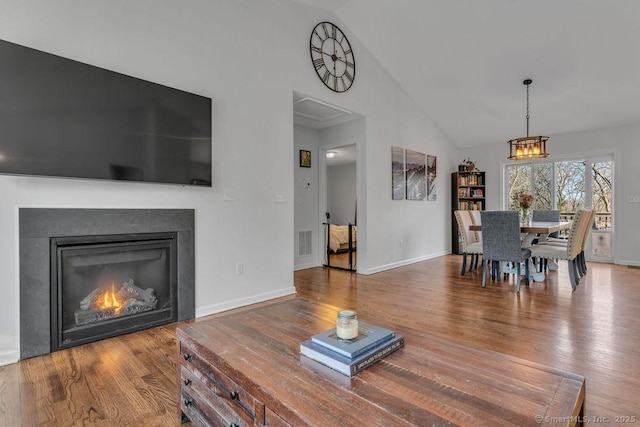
(525, 201)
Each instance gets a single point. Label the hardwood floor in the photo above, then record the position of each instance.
(341, 260)
(129, 380)
(594, 331)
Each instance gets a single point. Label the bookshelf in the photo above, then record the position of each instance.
(467, 193)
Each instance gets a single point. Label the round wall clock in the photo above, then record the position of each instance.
(332, 57)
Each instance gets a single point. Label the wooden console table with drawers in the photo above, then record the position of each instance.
(244, 369)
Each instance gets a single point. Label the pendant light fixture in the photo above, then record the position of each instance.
(529, 147)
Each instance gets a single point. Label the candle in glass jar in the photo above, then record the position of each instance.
(347, 325)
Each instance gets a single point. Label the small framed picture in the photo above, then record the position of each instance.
(305, 159)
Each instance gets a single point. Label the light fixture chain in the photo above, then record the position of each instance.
(531, 147)
(527, 111)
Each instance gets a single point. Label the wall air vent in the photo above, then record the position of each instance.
(304, 243)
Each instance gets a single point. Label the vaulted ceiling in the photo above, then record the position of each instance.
(464, 61)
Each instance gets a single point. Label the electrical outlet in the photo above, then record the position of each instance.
(228, 194)
(239, 268)
(633, 199)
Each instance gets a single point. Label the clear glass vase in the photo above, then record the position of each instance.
(525, 216)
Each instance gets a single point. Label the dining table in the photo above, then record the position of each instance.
(535, 230)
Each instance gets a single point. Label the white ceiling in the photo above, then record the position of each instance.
(342, 155)
(464, 61)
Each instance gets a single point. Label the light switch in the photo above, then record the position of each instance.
(633, 199)
(279, 198)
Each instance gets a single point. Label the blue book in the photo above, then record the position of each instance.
(368, 337)
(346, 365)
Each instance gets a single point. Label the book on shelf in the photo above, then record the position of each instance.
(346, 365)
(470, 180)
(470, 206)
(368, 337)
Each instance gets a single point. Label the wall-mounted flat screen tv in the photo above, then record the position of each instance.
(64, 118)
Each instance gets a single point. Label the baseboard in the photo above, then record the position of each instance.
(217, 308)
(402, 263)
(8, 357)
(632, 263)
(305, 266)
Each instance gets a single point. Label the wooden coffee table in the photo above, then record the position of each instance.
(244, 368)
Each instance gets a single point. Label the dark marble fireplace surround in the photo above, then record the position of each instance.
(38, 225)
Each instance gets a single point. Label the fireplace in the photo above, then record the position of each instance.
(103, 286)
(71, 260)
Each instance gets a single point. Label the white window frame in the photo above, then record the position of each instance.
(589, 158)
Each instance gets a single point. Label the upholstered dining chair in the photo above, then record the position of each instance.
(546, 215)
(571, 250)
(468, 240)
(501, 242)
(581, 263)
(476, 220)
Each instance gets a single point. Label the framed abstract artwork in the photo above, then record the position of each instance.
(431, 178)
(415, 165)
(305, 159)
(397, 173)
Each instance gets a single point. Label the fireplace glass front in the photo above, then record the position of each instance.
(103, 286)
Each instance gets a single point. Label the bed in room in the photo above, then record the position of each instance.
(339, 237)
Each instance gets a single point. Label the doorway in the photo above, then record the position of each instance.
(332, 182)
(341, 231)
(600, 192)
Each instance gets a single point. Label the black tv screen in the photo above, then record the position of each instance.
(64, 118)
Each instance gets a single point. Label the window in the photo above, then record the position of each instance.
(518, 182)
(568, 185)
(554, 185)
(601, 192)
(543, 186)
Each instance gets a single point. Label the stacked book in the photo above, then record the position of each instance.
(351, 356)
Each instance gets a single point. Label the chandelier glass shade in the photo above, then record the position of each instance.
(528, 147)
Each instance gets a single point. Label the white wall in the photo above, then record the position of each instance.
(341, 196)
(306, 213)
(249, 56)
(403, 231)
(622, 142)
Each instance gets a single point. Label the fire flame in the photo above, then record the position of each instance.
(110, 299)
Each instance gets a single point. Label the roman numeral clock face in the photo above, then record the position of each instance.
(332, 57)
